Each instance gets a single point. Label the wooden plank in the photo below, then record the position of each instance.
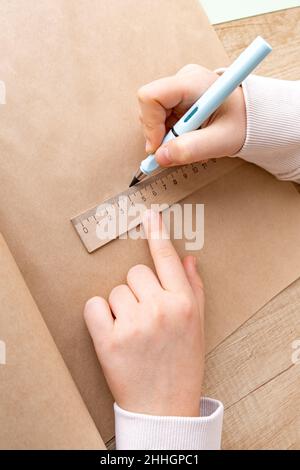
(281, 29)
(252, 373)
(267, 419)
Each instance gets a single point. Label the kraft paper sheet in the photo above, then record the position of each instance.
(40, 407)
(70, 138)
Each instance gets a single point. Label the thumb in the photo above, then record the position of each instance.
(190, 267)
(209, 142)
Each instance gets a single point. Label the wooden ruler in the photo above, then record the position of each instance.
(105, 222)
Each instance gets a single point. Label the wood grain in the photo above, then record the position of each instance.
(281, 29)
(252, 371)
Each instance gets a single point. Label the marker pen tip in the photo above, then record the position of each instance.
(134, 181)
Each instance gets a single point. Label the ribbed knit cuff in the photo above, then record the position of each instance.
(140, 431)
(273, 126)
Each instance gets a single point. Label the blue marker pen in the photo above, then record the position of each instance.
(211, 99)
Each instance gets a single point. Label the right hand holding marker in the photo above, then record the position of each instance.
(164, 101)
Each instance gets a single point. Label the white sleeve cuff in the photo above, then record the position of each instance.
(273, 132)
(147, 432)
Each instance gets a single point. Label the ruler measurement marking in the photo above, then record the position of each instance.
(172, 185)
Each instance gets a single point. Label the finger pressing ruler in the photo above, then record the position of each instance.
(163, 189)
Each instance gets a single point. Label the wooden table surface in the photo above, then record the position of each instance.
(252, 371)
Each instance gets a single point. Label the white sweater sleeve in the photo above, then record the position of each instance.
(140, 431)
(273, 126)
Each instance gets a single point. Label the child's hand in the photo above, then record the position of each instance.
(164, 101)
(152, 352)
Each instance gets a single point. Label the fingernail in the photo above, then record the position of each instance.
(163, 156)
(94, 300)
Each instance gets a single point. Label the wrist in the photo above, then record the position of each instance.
(157, 407)
(240, 121)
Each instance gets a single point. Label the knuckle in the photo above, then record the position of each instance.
(190, 68)
(143, 94)
(159, 319)
(164, 252)
(185, 306)
(199, 284)
(149, 126)
(112, 346)
(183, 151)
(127, 336)
(179, 151)
(159, 310)
(134, 333)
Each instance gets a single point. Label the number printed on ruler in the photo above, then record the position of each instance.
(163, 189)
